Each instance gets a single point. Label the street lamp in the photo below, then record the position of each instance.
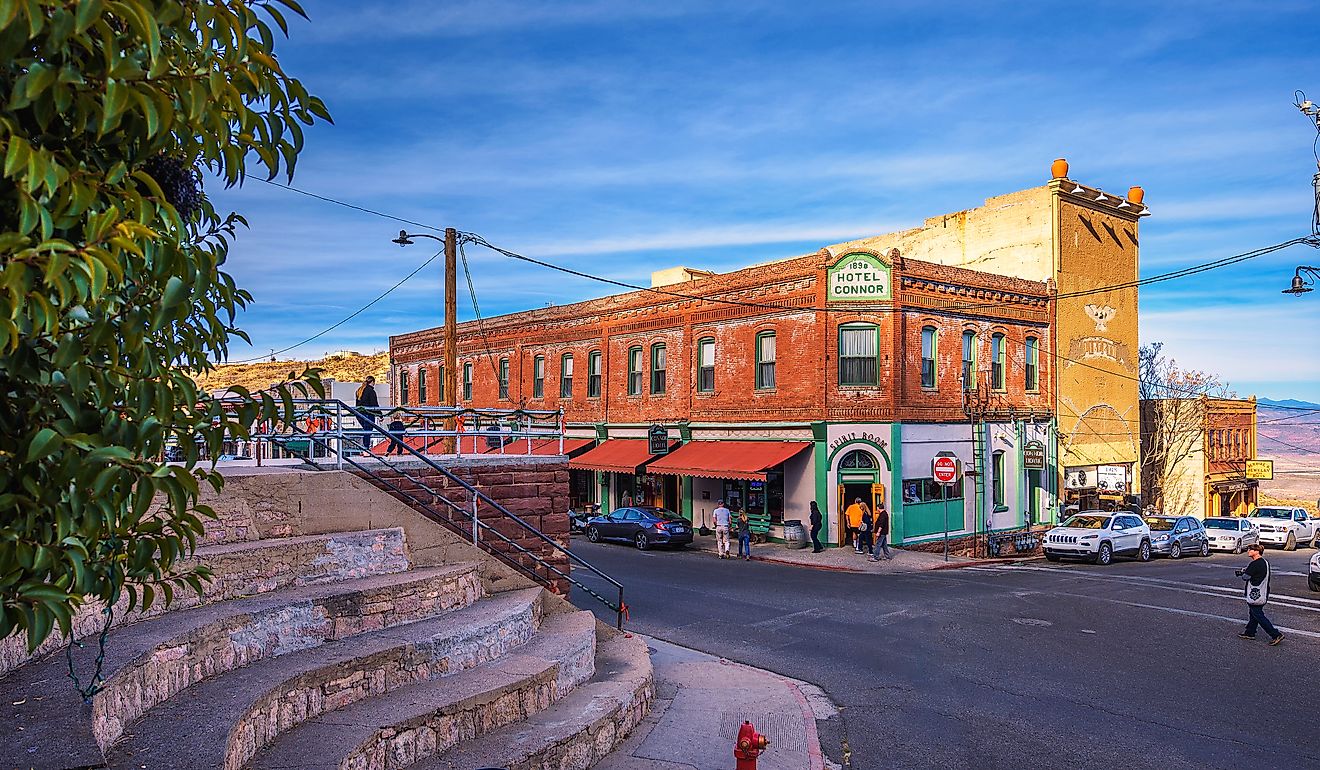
(1301, 285)
(450, 382)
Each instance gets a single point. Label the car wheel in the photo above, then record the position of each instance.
(641, 541)
(1143, 553)
(1104, 555)
(1237, 548)
(1291, 544)
(1205, 548)
(1175, 551)
(1313, 585)
(1315, 539)
(593, 534)
(1051, 557)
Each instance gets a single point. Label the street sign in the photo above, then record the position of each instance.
(1260, 469)
(658, 440)
(945, 468)
(1033, 456)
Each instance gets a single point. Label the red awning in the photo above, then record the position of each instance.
(618, 455)
(727, 459)
(541, 446)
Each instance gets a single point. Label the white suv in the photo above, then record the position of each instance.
(1099, 536)
(1285, 526)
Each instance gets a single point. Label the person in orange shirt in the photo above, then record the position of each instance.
(853, 516)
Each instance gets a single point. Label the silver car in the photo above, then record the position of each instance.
(1230, 533)
(1177, 536)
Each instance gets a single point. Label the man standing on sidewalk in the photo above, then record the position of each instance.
(1257, 593)
(881, 534)
(722, 516)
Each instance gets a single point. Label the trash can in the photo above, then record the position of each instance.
(794, 535)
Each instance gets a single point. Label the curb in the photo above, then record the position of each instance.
(982, 563)
(814, 751)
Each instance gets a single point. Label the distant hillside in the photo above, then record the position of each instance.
(262, 374)
(1288, 403)
(1289, 435)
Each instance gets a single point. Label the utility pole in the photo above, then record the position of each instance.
(450, 384)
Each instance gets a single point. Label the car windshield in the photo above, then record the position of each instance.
(1221, 524)
(662, 513)
(1159, 524)
(1273, 513)
(1087, 522)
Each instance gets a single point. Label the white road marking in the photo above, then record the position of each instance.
(1193, 613)
(1230, 566)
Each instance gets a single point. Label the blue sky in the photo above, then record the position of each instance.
(622, 137)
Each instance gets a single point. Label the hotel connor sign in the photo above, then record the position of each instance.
(860, 277)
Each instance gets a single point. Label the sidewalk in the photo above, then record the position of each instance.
(701, 701)
(843, 559)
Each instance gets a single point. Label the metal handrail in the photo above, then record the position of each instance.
(475, 494)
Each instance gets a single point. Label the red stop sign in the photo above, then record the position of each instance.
(945, 470)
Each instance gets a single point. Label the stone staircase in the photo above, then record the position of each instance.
(390, 646)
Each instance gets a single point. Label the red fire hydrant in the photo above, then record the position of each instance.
(749, 746)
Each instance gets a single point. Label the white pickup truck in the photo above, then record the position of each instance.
(1286, 527)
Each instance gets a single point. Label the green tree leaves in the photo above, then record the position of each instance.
(111, 294)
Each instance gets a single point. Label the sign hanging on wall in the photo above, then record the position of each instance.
(1260, 469)
(860, 277)
(658, 440)
(1033, 456)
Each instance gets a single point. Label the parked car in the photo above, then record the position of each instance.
(1099, 536)
(1231, 533)
(643, 526)
(1313, 579)
(1286, 527)
(1175, 536)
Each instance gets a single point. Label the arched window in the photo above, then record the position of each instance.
(504, 379)
(857, 459)
(421, 385)
(859, 355)
(635, 370)
(997, 359)
(928, 341)
(593, 374)
(403, 386)
(765, 361)
(1033, 363)
(969, 360)
(566, 376)
(705, 365)
(538, 377)
(658, 369)
(467, 381)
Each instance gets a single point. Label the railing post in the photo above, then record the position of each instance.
(339, 436)
(475, 530)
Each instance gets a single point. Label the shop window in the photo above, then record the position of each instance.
(927, 491)
(593, 374)
(504, 379)
(566, 376)
(997, 356)
(997, 478)
(969, 360)
(928, 338)
(467, 382)
(440, 386)
(658, 369)
(857, 459)
(538, 377)
(706, 365)
(421, 385)
(403, 386)
(765, 361)
(635, 370)
(859, 353)
(1033, 364)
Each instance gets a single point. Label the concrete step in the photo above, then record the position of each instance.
(222, 722)
(243, 569)
(577, 731)
(47, 723)
(415, 722)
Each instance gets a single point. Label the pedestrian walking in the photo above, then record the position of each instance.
(367, 403)
(815, 528)
(853, 519)
(744, 536)
(881, 525)
(866, 531)
(722, 517)
(396, 430)
(1257, 593)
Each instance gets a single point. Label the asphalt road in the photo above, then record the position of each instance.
(1034, 665)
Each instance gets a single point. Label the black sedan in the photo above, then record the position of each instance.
(643, 526)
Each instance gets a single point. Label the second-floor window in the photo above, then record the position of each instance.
(440, 386)
(538, 377)
(635, 371)
(859, 352)
(504, 379)
(421, 385)
(403, 386)
(467, 382)
(997, 358)
(997, 477)
(765, 361)
(658, 368)
(566, 376)
(969, 360)
(706, 365)
(593, 374)
(928, 357)
(1033, 363)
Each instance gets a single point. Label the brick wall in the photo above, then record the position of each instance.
(534, 489)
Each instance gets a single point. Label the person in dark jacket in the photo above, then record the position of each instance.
(881, 525)
(396, 430)
(744, 536)
(866, 531)
(815, 528)
(367, 403)
(1257, 593)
